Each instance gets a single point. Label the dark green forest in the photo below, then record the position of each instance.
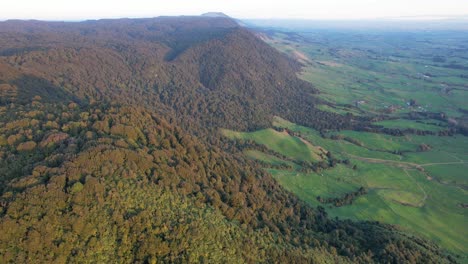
(110, 151)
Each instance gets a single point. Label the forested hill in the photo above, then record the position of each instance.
(206, 69)
(105, 157)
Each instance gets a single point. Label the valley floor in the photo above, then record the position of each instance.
(421, 192)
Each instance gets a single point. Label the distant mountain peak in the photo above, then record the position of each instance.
(215, 14)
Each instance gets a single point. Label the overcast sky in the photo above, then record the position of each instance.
(304, 9)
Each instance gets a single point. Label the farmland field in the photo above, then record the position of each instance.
(419, 191)
(418, 84)
(383, 72)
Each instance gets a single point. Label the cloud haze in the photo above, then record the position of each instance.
(309, 9)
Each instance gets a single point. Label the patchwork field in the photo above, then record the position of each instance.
(422, 192)
(375, 72)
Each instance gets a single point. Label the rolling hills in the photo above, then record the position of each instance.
(110, 150)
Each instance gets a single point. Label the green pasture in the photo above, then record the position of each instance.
(364, 74)
(424, 201)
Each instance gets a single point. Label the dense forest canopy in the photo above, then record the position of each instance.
(109, 150)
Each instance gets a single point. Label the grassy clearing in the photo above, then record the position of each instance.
(308, 186)
(270, 159)
(280, 142)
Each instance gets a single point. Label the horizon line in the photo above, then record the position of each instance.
(390, 18)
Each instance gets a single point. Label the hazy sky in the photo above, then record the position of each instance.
(310, 9)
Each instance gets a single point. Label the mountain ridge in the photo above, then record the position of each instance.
(95, 108)
(158, 46)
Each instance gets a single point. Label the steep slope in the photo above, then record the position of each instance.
(207, 70)
(74, 146)
(116, 183)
